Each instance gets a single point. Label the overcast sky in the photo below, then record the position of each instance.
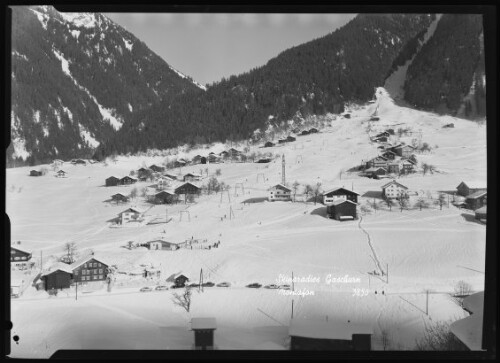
(208, 47)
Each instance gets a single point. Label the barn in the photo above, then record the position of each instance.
(119, 198)
(324, 335)
(89, 269)
(342, 209)
(466, 188)
(35, 173)
(57, 277)
(127, 180)
(112, 181)
(203, 333)
(187, 188)
(403, 150)
(393, 190)
(279, 192)
(375, 172)
(339, 193)
(476, 200)
(161, 244)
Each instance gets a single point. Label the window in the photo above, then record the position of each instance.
(99, 264)
(17, 258)
(76, 272)
(100, 270)
(100, 277)
(84, 265)
(94, 277)
(84, 272)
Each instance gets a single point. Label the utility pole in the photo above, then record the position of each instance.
(201, 280)
(76, 289)
(292, 308)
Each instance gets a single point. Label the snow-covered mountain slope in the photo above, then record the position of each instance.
(76, 78)
(431, 249)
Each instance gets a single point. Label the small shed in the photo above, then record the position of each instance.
(313, 130)
(35, 173)
(282, 141)
(161, 244)
(61, 174)
(112, 181)
(179, 280)
(127, 180)
(290, 139)
(119, 198)
(305, 132)
(203, 333)
(57, 277)
(203, 160)
(191, 177)
(79, 162)
(263, 161)
(342, 210)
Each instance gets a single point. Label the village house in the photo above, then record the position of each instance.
(143, 173)
(388, 155)
(377, 162)
(179, 280)
(203, 333)
(130, 215)
(89, 269)
(404, 151)
(339, 193)
(408, 166)
(233, 153)
(20, 258)
(119, 198)
(212, 158)
(161, 244)
(279, 192)
(290, 139)
(35, 173)
(156, 168)
(325, 335)
(341, 210)
(196, 159)
(127, 180)
(61, 174)
(192, 177)
(163, 197)
(57, 277)
(476, 200)
(163, 182)
(393, 167)
(112, 181)
(268, 144)
(393, 190)
(466, 188)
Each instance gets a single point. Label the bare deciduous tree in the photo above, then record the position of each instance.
(71, 251)
(183, 300)
(295, 187)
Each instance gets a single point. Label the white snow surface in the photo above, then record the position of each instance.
(88, 137)
(128, 44)
(429, 249)
(85, 20)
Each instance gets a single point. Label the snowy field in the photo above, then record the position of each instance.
(431, 249)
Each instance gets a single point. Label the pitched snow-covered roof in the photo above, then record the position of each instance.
(477, 194)
(473, 184)
(58, 266)
(341, 201)
(280, 186)
(481, 210)
(470, 329)
(393, 182)
(133, 209)
(20, 249)
(182, 184)
(85, 259)
(474, 303)
(338, 188)
(319, 329)
(375, 169)
(203, 323)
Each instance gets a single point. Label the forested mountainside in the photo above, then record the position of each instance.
(447, 74)
(313, 78)
(76, 79)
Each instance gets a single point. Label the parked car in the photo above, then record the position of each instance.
(193, 285)
(255, 285)
(272, 286)
(146, 289)
(161, 287)
(284, 287)
(208, 284)
(223, 284)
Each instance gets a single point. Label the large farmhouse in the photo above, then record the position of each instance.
(89, 269)
(130, 215)
(325, 335)
(393, 190)
(279, 192)
(339, 194)
(188, 188)
(404, 151)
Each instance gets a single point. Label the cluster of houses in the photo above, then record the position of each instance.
(211, 158)
(291, 138)
(59, 174)
(395, 160)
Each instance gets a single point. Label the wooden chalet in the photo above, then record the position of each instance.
(342, 209)
(408, 166)
(339, 193)
(476, 200)
(89, 269)
(163, 197)
(179, 280)
(127, 180)
(279, 192)
(191, 177)
(290, 139)
(269, 144)
(313, 130)
(375, 172)
(203, 333)
(157, 169)
(212, 158)
(376, 162)
(143, 173)
(119, 198)
(18, 254)
(322, 335)
(388, 155)
(35, 173)
(58, 277)
(394, 167)
(466, 188)
(112, 181)
(393, 190)
(188, 188)
(161, 244)
(403, 150)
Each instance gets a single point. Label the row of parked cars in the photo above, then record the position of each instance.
(254, 285)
